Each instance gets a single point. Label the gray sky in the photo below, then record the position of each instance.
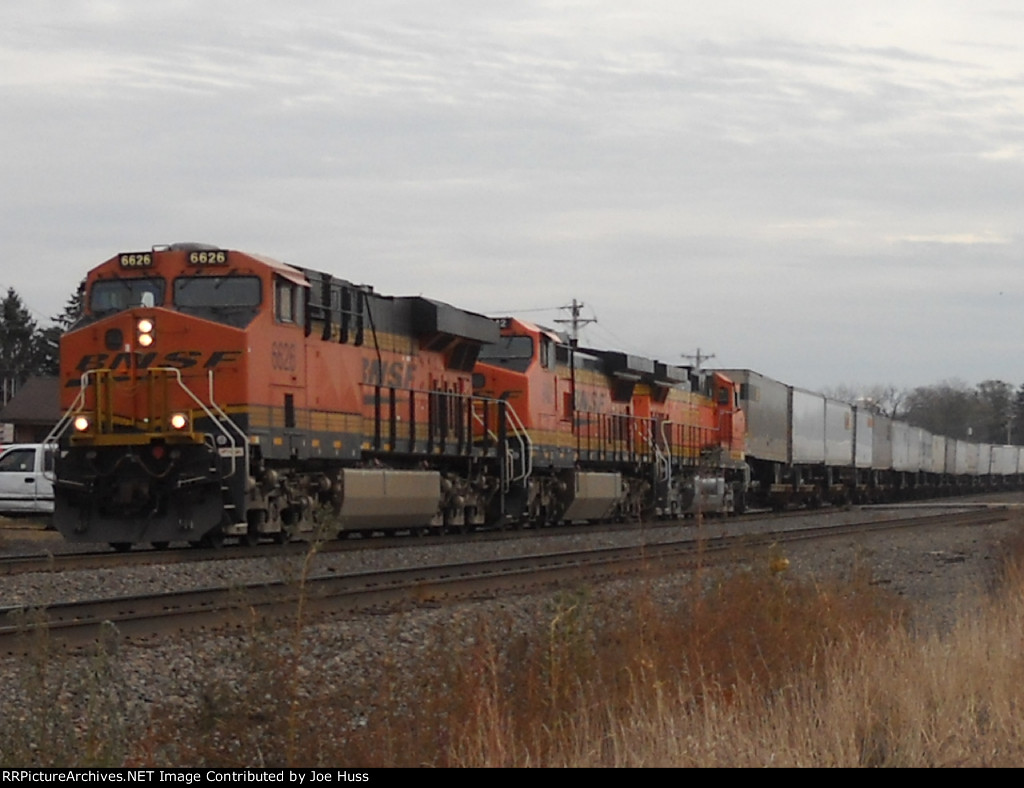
(827, 193)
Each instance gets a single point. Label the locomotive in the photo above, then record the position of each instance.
(211, 394)
(640, 437)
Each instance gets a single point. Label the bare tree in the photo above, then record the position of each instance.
(885, 399)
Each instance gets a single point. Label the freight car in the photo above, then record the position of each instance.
(808, 449)
(215, 394)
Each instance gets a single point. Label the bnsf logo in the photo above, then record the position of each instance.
(181, 359)
(396, 373)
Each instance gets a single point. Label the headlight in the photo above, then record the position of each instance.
(81, 423)
(179, 421)
(145, 328)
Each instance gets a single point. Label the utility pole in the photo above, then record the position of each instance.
(575, 322)
(698, 358)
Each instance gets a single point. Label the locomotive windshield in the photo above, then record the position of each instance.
(116, 295)
(513, 353)
(233, 300)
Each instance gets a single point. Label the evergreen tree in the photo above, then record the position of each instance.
(47, 361)
(73, 309)
(19, 337)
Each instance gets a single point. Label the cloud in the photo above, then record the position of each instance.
(772, 183)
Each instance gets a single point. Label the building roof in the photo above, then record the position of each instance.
(37, 401)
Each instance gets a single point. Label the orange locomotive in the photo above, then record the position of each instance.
(213, 393)
(609, 434)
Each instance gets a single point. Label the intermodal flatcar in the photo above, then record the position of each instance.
(807, 449)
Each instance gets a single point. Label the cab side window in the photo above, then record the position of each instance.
(288, 306)
(546, 353)
(284, 300)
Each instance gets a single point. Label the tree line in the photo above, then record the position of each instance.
(26, 348)
(989, 412)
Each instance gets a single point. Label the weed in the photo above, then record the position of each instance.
(741, 668)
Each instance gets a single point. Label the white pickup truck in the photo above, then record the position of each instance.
(26, 474)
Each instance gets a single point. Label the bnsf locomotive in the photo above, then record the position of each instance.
(212, 394)
(650, 438)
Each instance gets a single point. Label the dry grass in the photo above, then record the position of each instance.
(748, 669)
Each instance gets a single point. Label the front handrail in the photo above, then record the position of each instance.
(241, 434)
(214, 412)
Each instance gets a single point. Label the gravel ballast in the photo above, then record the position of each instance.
(940, 572)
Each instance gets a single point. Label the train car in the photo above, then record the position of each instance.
(863, 454)
(801, 446)
(211, 393)
(962, 466)
(938, 481)
(806, 449)
(1004, 465)
(984, 465)
(840, 467)
(611, 434)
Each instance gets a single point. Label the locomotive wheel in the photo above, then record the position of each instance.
(739, 500)
(452, 527)
(212, 540)
(256, 519)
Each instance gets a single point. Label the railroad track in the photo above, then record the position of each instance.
(107, 558)
(137, 618)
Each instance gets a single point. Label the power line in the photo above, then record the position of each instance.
(518, 311)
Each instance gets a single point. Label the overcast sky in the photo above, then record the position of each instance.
(827, 193)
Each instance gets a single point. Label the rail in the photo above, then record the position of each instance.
(77, 624)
